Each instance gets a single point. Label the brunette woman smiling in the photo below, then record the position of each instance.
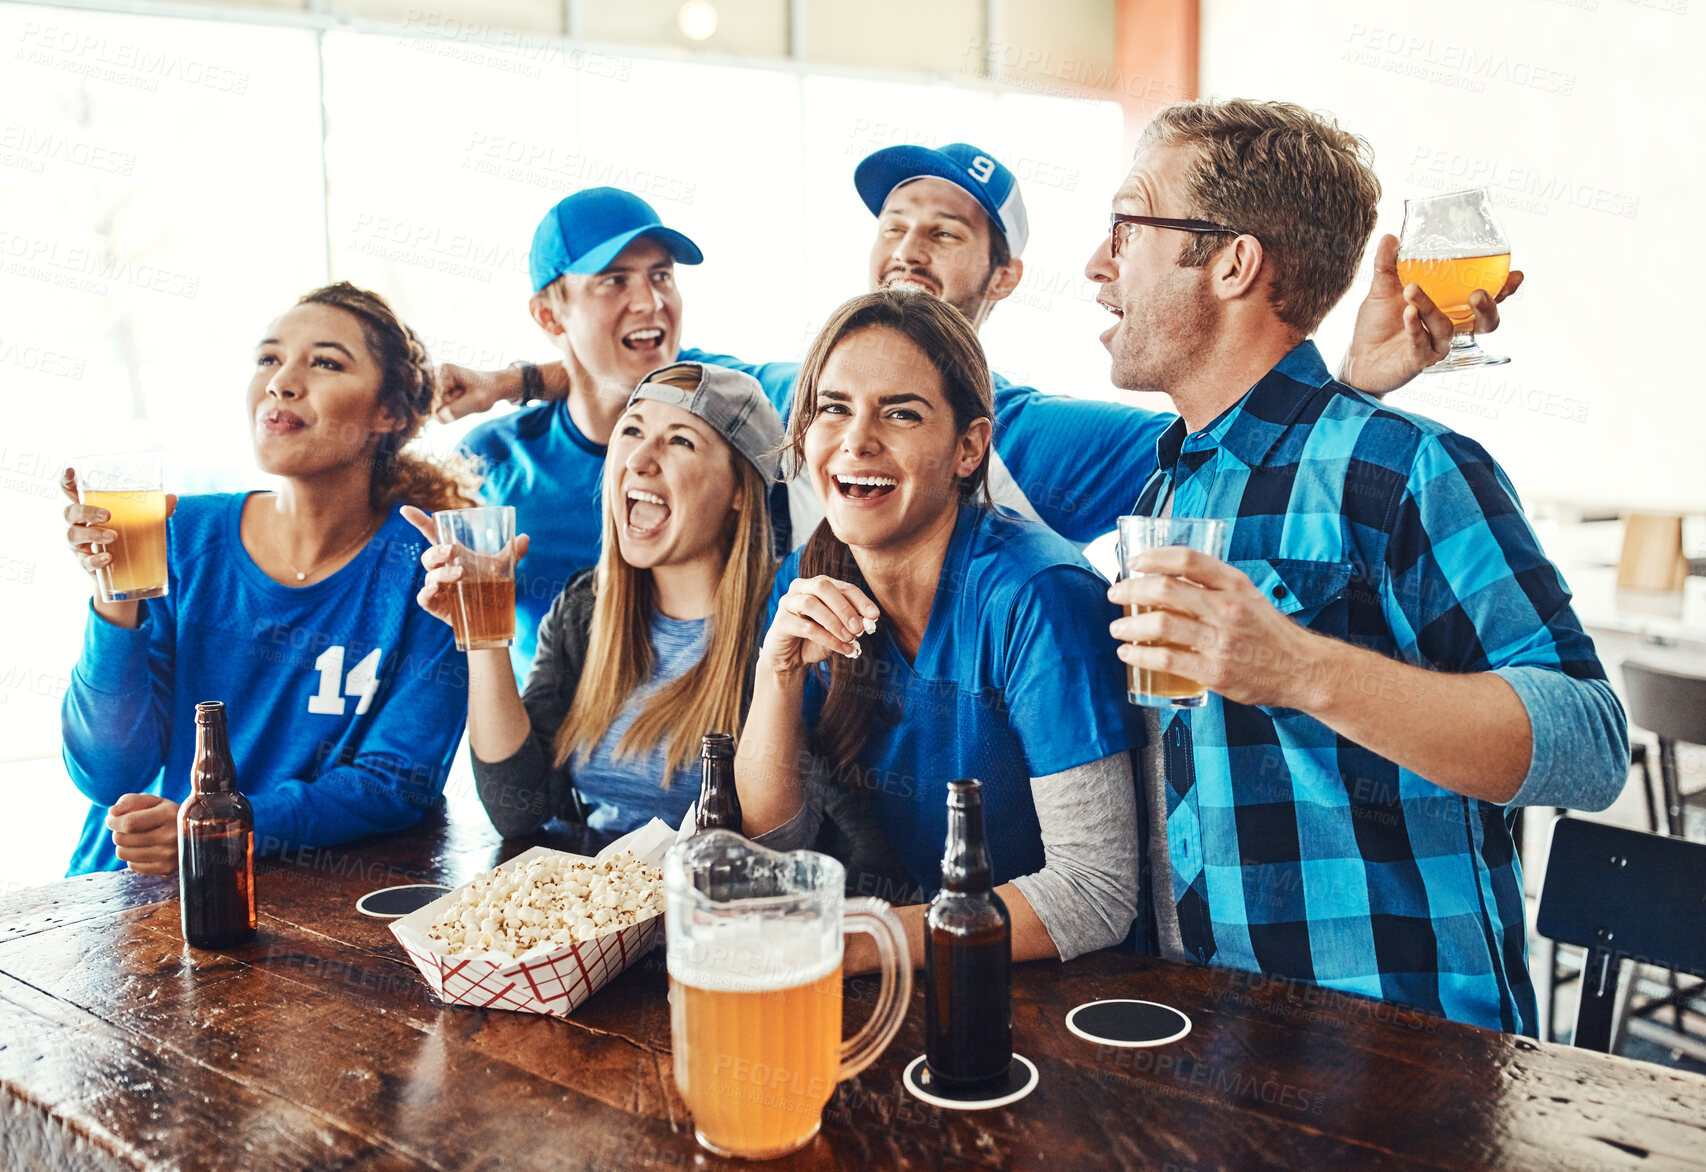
(923, 635)
(292, 607)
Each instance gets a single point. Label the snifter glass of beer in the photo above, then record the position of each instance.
(1451, 246)
(128, 486)
(482, 610)
(1146, 686)
(755, 939)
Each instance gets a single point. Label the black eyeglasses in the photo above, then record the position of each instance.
(1115, 219)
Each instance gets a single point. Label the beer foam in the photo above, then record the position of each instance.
(752, 956)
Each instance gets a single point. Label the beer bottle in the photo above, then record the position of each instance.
(216, 842)
(968, 955)
(719, 803)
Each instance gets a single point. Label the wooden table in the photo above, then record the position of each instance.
(319, 1046)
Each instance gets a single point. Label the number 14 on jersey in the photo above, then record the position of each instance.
(362, 681)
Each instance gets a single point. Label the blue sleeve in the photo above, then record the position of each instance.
(1470, 590)
(116, 715)
(777, 378)
(1065, 686)
(1080, 462)
(399, 770)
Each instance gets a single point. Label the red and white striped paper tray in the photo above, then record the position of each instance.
(550, 981)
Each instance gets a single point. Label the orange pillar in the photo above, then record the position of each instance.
(1155, 56)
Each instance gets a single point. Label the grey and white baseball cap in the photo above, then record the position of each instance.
(731, 402)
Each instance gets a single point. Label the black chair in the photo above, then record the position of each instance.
(1672, 707)
(1622, 894)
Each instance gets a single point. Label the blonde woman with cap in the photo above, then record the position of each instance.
(641, 656)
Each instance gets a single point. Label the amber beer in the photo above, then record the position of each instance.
(757, 1041)
(1147, 681)
(484, 614)
(1449, 281)
(968, 957)
(138, 568)
(216, 842)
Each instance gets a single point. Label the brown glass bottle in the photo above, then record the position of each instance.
(216, 842)
(719, 802)
(968, 957)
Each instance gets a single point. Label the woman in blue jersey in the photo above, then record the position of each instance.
(293, 607)
(642, 656)
(923, 635)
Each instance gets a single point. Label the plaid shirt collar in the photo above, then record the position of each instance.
(1251, 427)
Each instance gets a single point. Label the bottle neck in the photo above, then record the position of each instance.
(965, 863)
(213, 771)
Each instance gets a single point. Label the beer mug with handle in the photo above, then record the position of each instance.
(755, 941)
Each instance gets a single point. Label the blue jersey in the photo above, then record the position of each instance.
(1075, 459)
(537, 461)
(1015, 678)
(345, 705)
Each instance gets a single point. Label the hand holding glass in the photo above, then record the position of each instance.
(1451, 245)
(1146, 686)
(482, 605)
(129, 487)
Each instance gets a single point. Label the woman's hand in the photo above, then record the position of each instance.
(817, 616)
(436, 597)
(85, 530)
(145, 833)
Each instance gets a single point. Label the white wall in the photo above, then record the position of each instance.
(1585, 117)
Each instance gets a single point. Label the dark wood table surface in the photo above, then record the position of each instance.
(319, 1046)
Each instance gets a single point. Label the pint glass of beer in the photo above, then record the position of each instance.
(129, 487)
(1164, 689)
(1451, 245)
(482, 611)
(755, 941)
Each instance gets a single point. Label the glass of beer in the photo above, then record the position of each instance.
(1451, 245)
(129, 487)
(482, 610)
(1165, 689)
(755, 942)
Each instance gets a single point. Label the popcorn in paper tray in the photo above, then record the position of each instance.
(546, 930)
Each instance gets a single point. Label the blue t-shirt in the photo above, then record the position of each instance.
(1015, 678)
(537, 461)
(629, 793)
(344, 703)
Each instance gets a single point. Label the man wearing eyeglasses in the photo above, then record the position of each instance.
(1392, 663)
(953, 221)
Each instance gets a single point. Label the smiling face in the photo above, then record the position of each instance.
(621, 323)
(672, 485)
(1165, 312)
(314, 398)
(883, 449)
(934, 235)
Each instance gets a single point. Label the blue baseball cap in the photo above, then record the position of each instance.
(993, 186)
(586, 231)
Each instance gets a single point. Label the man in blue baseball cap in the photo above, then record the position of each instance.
(603, 273)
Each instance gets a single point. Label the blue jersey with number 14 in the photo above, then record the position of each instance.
(344, 700)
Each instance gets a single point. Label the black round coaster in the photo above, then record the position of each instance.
(1128, 1023)
(390, 902)
(1021, 1080)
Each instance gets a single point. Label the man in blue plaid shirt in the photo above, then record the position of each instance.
(1393, 663)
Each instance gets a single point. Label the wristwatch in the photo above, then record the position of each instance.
(532, 382)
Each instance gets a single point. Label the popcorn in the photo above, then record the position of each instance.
(550, 901)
